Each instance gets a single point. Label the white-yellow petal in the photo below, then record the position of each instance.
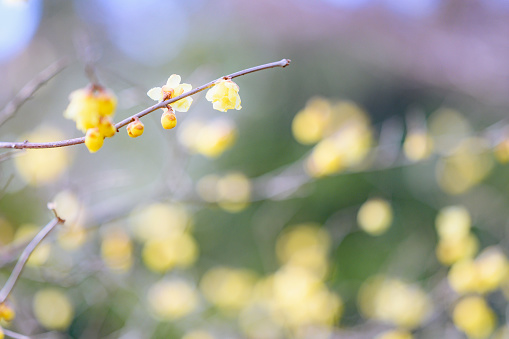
(173, 81)
(186, 87)
(155, 93)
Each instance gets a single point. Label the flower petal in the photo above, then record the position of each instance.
(173, 80)
(155, 93)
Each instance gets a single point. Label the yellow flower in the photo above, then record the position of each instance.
(107, 127)
(168, 120)
(43, 166)
(474, 316)
(53, 309)
(88, 105)
(135, 128)
(172, 89)
(94, 140)
(224, 95)
(7, 313)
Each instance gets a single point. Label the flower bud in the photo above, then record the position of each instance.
(135, 128)
(94, 140)
(168, 120)
(106, 127)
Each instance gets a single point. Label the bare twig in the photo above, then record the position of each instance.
(16, 272)
(76, 141)
(14, 335)
(30, 88)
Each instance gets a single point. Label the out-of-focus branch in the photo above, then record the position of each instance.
(76, 141)
(25, 255)
(14, 335)
(30, 88)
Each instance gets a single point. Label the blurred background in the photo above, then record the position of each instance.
(361, 192)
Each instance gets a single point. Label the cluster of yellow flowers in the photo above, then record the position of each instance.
(341, 131)
(92, 109)
(295, 298)
(469, 277)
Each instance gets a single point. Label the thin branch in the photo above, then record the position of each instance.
(14, 335)
(16, 272)
(76, 141)
(30, 88)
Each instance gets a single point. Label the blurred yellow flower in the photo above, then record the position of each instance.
(176, 250)
(117, 249)
(159, 221)
(228, 288)
(375, 216)
(53, 309)
(393, 301)
(465, 167)
(231, 192)
(300, 298)
(453, 222)
(305, 245)
(7, 313)
(312, 123)
(173, 89)
(346, 148)
(42, 166)
(463, 277)
(211, 138)
(451, 250)
(418, 145)
(473, 316)
(224, 95)
(172, 299)
(234, 192)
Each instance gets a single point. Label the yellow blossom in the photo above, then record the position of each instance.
(211, 138)
(394, 301)
(375, 216)
(168, 120)
(135, 128)
(53, 309)
(42, 166)
(228, 288)
(116, 249)
(107, 127)
(173, 89)
(173, 299)
(88, 105)
(94, 140)
(7, 313)
(473, 316)
(224, 95)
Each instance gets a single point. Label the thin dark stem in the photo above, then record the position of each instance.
(16, 272)
(75, 141)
